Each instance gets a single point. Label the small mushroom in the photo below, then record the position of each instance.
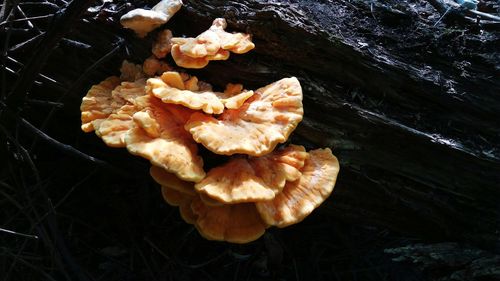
(131, 72)
(143, 21)
(186, 61)
(213, 44)
(263, 121)
(238, 43)
(172, 89)
(253, 179)
(152, 66)
(299, 198)
(163, 44)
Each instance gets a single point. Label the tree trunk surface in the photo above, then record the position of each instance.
(408, 99)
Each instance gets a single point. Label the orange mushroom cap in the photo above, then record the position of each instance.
(254, 179)
(170, 180)
(97, 104)
(207, 43)
(299, 198)
(179, 199)
(186, 61)
(213, 44)
(112, 129)
(238, 43)
(175, 192)
(172, 89)
(264, 120)
(239, 223)
(158, 135)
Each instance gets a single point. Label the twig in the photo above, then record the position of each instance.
(63, 21)
(45, 77)
(45, 103)
(18, 233)
(64, 147)
(46, 3)
(30, 24)
(27, 42)
(77, 44)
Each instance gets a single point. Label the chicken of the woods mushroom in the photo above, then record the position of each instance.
(162, 114)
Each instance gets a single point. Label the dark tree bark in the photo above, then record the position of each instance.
(409, 102)
(411, 109)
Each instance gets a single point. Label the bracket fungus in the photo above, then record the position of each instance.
(143, 21)
(299, 198)
(107, 97)
(171, 88)
(238, 223)
(164, 119)
(253, 179)
(158, 136)
(213, 44)
(263, 121)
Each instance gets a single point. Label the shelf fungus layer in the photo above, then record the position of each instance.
(299, 198)
(158, 135)
(253, 179)
(264, 120)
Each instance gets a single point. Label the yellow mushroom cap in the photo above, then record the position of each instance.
(263, 121)
(172, 89)
(158, 136)
(239, 223)
(299, 198)
(254, 179)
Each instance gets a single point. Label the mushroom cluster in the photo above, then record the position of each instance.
(213, 44)
(163, 114)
